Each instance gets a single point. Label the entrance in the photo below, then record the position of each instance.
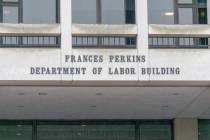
(86, 130)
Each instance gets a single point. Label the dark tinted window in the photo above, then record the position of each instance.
(202, 1)
(15, 131)
(204, 129)
(153, 131)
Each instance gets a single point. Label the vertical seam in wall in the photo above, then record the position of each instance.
(138, 53)
(66, 39)
(149, 59)
(61, 64)
(208, 11)
(72, 64)
(72, 76)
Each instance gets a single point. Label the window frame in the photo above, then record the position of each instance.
(195, 5)
(19, 5)
(98, 14)
(135, 123)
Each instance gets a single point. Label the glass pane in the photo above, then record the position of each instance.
(161, 11)
(44, 11)
(84, 11)
(17, 131)
(10, 0)
(185, 1)
(86, 132)
(202, 15)
(204, 130)
(113, 11)
(155, 132)
(130, 11)
(10, 14)
(202, 1)
(183, 13)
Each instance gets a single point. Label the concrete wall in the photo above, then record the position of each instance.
(15, 63)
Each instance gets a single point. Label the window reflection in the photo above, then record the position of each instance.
(177, 11)
(10, 14)
(46, 12)
(161, 11)
(29, 11)
(103, 11)
(84, 12)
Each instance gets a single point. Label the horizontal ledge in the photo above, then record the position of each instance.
(179, 30)
(104, 29)
(77, 29)
(29, 29)
(106, 83)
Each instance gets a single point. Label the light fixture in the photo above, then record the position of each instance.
(99, 94)
(83, 125)
(79, 134)
(175, 94)
(18, 134)
(20, 106)
(21, 93)
(93, 106)
(43, 93)
(164, 106)
(168, 13)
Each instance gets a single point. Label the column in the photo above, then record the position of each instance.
(208, 10)
(142, 37)
(185, 129)
(66, 36)
(142, 23)
(66, 23)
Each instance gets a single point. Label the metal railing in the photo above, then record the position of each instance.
(179, 36)
(30, 41)
(178, 42)
(104, 36)
(103, 42)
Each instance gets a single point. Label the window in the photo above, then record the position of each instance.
(185, 16)
(155, 131)
(194, 10)
(29, 11)
(202, 1)
(204, 130)
(84, 12)
(185, 12)
(202, 15)
(15, 130)
(86, 130)
(100, 131)
(161, 11)
(113, 13)
(103, 11)
(46, 12)
(176, 11)
(10, 14)
(185, 1)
